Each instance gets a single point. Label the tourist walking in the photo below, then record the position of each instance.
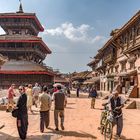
(77, 91)
(22, 117)
(60, 101)
(117, 103)
(29, 93)
(36, 92)
(45, 105)
(68, 91)
(93, 95)
(11, 95)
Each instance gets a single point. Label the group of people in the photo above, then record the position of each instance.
(43, 100)
(31, 92)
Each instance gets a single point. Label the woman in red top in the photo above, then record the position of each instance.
(11, 95)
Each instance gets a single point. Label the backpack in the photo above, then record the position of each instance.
(15, 113)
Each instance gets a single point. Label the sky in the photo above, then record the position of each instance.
(75, 30)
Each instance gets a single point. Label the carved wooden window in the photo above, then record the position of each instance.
(132, 65)
(3, 20)
(111, 69)
(121, 50)
(17, 20)
(116, 69)
(130, 35)
(123, 66)
(125, 39)
(108, 71)
(138, 31)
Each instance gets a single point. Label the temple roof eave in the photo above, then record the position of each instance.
(34, 39)
(93, 62)
(23, 66)
(23, 15)
(26, 72)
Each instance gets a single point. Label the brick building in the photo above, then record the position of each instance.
(118, 61)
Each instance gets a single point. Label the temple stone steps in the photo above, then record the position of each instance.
(133, 105)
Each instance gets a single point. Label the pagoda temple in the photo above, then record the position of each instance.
(24, 49)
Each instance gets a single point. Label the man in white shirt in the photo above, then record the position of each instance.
(36, 92)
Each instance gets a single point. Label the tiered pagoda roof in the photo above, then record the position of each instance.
(23, 48)
(24, 38)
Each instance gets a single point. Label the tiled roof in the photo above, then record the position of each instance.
(81, 75)
(60, 79)
(92, 80)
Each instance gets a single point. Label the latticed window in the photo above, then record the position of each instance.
(125, 39)
(123, 66)
(138, 31)
(116, 69)
(132, 65)
(111, 69)
(130, 35)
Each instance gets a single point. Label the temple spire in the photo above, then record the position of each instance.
(20, 7)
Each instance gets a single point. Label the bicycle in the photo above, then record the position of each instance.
(108, 130)
(106, 123)
(103, 119)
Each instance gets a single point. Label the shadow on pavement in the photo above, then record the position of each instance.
(44, 136)
(74, 134)
(71, 103)
(98, 108)
(70, 108)
(125, 138)
(80, 96)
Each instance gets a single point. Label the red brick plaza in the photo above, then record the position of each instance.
(81, 123)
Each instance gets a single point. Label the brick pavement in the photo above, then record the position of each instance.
(81, 123)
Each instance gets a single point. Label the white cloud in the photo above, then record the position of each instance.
(97, 38)
(75, 34)
(57, 47)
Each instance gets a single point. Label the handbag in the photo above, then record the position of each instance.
(15, 113)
